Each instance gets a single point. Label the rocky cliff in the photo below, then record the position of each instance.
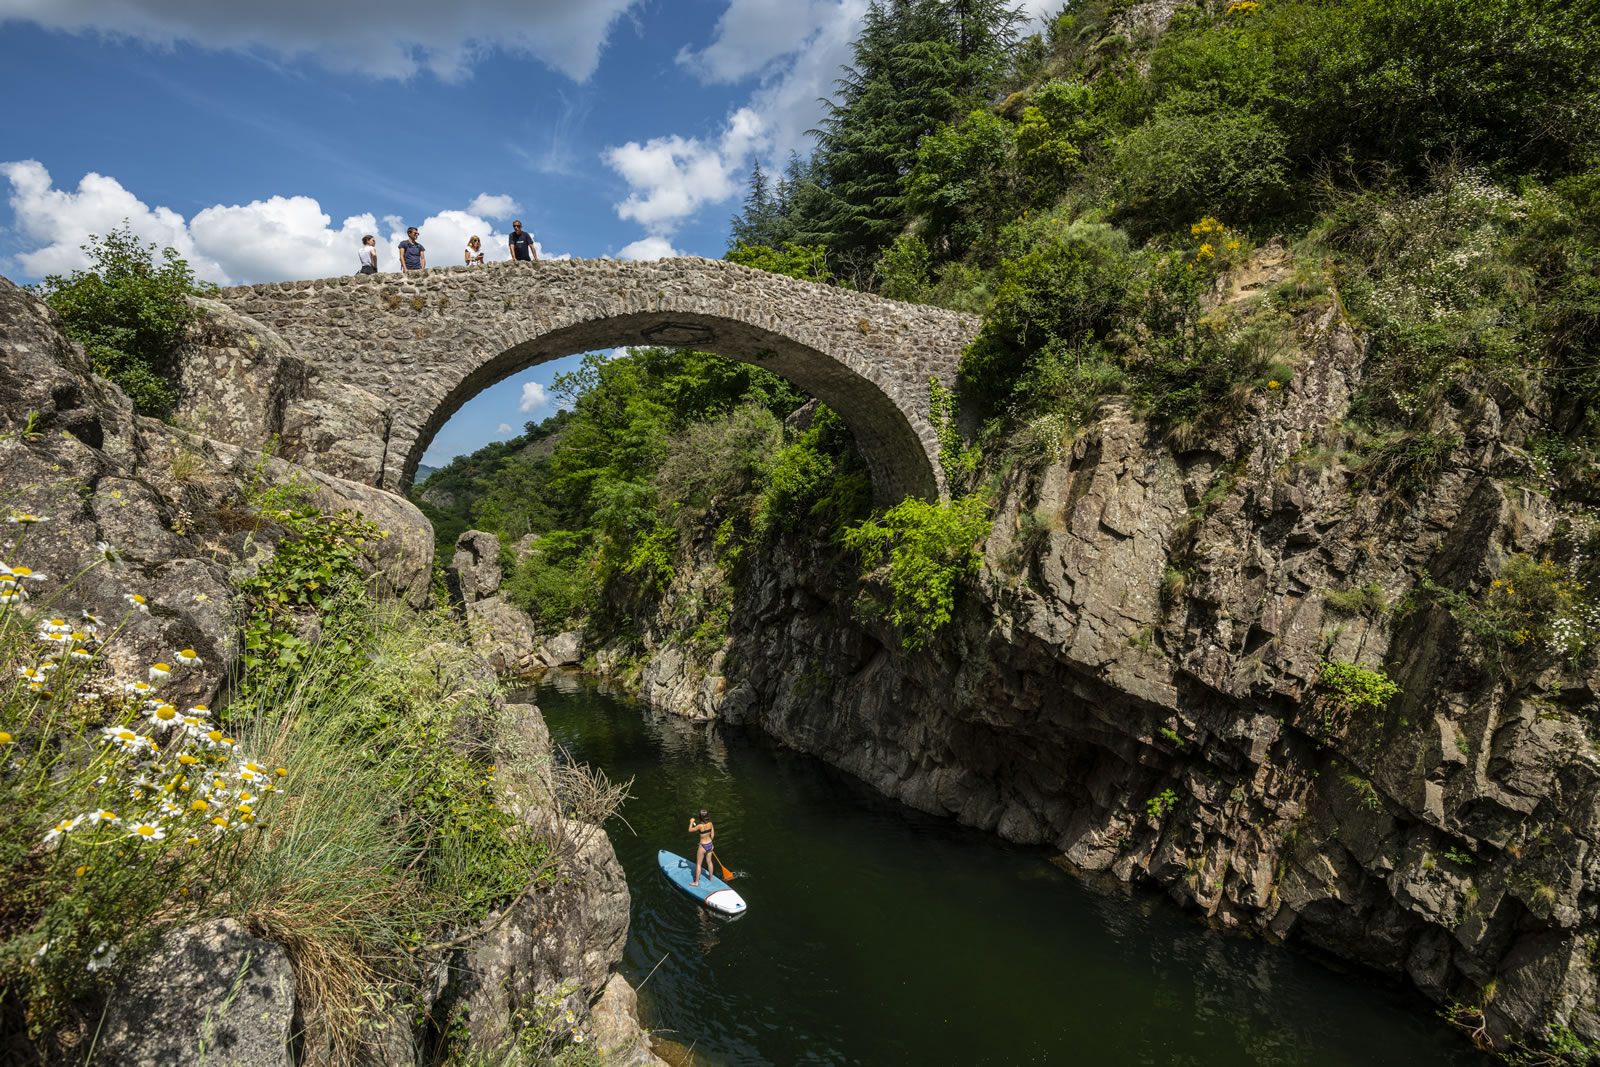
(133, 506)
(1137, 682)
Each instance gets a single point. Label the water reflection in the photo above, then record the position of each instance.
(876, 935)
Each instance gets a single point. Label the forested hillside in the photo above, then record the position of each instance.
(1084, 184)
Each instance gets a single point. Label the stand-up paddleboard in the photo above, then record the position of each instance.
(712, 891)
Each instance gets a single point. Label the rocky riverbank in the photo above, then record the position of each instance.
(133, 505)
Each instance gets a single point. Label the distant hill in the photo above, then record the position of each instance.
(423, 470)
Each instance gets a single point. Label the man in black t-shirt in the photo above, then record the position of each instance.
(412, 254)
(521, 244)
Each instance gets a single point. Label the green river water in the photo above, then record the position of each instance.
(879, 935)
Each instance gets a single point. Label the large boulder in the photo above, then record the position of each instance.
(503, 634)
(476, 565)
(209, 994)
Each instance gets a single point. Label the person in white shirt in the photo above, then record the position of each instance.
(474, 251)
(369, 255)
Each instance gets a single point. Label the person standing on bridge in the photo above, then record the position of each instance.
(368, 255)
(474, 251)
(521, 244)
(413, 257)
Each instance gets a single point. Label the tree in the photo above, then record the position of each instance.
(915, 64)
(129, 312)
(760, 223)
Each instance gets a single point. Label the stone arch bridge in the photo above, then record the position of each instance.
(356, 374)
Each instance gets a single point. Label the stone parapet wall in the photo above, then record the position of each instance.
(417, 347)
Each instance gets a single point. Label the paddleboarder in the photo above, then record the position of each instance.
(702, 825)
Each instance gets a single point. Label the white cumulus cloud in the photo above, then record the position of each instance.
(395, 39)
(276, 239)
(649, 248)
(498, 206)
(751, 34)
(673, 177)
(503, 429)
(533, 398)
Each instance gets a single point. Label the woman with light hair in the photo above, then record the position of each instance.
(474, 251)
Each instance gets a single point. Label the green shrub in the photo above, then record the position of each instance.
(930, 549)
(819, 479)
(1061, 295)
(130, 314)
(960, 183)
(555, 583)
(1368, 600)
(1355, 686)
(902, 270)
(1188, 161)
(1056, 128)
(807, 262)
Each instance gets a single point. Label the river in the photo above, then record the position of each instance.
(878, 935)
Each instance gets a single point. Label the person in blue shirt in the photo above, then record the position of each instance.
(413, 257)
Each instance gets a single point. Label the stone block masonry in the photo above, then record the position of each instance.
(415, 348)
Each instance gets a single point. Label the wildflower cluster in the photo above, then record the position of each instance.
(113, 797)
(547, 1021)
(160, 776)
(1544, 604)
(1218, 248)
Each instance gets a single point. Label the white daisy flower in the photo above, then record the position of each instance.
(147, 831)
(91, 620)
(106, 551)
(139, 688)
(56, 626)
(105, 954)
(26, 518)
(100, 818)
(160, 672)
(163, 716)
(200, 709)
(188, 657)
(58, 831)
(140, 604)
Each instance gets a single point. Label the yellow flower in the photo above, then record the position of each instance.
(1274, 384)
(5, 738)
(81, 871)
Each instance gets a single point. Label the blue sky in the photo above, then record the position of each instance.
(261, 141)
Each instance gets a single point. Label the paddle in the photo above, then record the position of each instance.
(727, 875)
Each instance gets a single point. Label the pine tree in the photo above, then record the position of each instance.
(917, 63)
(758, 223)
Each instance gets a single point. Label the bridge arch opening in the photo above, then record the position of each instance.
(895, 453)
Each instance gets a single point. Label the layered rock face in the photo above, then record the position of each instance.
(1134, 684)
(133, 506)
